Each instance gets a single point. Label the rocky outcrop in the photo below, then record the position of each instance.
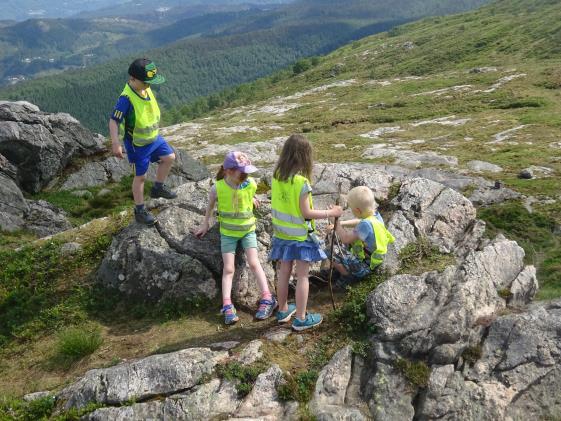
(157, 375)
(113, 169)
(40, 144)
(517, 377)
(13, 206)
(44, 219)
(169, 262)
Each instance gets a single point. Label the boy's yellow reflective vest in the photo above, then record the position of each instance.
(288, 222)
(382, 238)
(235, 208)
(147, 117)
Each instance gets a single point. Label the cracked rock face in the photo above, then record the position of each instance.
(438, 315)
(40, 144)
(517, 377)
(113, 169)
(140, 380)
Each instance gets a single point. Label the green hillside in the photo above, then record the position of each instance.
(249, 48)
(484, 85)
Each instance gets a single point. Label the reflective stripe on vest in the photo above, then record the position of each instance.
(146, 116)
(235, 208)
(288, 221)
(382, 237)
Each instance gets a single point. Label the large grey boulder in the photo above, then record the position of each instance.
(391, 396)
(113, 169)
(329, 401)
(156, 375)
(436, 315)
(428, 209)
(517, 377)
(207, 401)
(40, 144)
(141, 264)
(13, 206)
(44, 219)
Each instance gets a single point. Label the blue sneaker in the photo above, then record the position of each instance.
(311, 320)
(266, 308)
(284, 316)
(230, 316)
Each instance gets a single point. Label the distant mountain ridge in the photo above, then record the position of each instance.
(244, 49)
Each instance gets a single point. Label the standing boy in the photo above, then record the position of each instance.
(139, 115)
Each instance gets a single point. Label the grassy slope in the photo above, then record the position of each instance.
(505, 35)
(391, 86)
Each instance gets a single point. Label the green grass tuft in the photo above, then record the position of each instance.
(421, 256)
(298, 387)
(75, 343)
(416, 372)
(351, 315)
(244, 376)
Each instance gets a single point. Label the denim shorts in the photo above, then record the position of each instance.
(358, 269)
(229, 244)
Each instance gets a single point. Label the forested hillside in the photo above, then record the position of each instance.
(247, 49)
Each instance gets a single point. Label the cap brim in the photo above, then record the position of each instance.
(248, 169)
(156, 80)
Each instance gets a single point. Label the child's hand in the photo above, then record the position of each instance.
(256, 202)
(336, 211)
(201, 231)
(117, 150)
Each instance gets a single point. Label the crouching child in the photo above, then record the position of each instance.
(368, 240)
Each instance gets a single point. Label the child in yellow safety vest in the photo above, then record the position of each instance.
(234, 192)
(368, 240)
(293, 224)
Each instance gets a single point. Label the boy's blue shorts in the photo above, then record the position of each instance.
(141, 156)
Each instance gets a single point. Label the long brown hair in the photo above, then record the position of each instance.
(221, 173)
(295, 158)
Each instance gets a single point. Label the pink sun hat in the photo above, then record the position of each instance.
(238, 161)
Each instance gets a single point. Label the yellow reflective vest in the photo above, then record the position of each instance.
(147, 117)
(288, 222)
(235, 208)
(382, 238)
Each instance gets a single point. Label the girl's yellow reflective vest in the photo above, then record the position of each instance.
(288, 222)
(235, 208)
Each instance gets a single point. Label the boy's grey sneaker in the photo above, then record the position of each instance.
(266, 308)
(163, 191)
(144, 217)
(284, 316)
(311, 320)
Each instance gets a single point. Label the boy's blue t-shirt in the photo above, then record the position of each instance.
(124, 110)
(365, 232)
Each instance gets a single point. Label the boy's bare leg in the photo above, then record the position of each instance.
(164, 167)
(340, 268)
(138, 189)
(285, 270)
(302, 288)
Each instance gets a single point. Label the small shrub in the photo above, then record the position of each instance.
(75, 343)
(352, 313)
(244, 375)
(298, 387)
(421, 256)
(361, 348)
(472, 354)
(18, 409)
(504, 293)
(301, 66)
(416, 372)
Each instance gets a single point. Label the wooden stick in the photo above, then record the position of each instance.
(337, 202)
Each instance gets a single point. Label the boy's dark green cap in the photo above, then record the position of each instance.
(145, 70)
